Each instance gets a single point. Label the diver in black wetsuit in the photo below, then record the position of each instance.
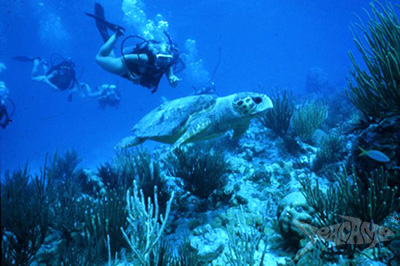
(5, 118)
(210, 89)
(5, 115)
(60, 75)
(143, 65)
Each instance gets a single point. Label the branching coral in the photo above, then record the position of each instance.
(376, 91)
(25, 216)
(145, 231)
(109, 176)
(140, 166)
(81, 245)
(331, 151)
(309, 118)
(369, 200)
(67, 189)
(48, 220)
(278, 118)
(202, 169)
(187, 255)
(149, 176)
(244, 243)
(327, 205)
(71, 219)
(104, 217)
(63, 167)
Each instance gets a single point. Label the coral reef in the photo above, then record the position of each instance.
(86, 217)
(369, 202)
(384, 137)
(62, 225)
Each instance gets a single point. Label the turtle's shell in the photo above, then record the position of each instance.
(168, 121)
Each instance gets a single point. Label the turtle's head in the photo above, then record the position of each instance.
(251, 104)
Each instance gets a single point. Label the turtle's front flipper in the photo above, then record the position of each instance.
(240, 129)
(128, 142)
(195, 129)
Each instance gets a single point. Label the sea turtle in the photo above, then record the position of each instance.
(198, 117)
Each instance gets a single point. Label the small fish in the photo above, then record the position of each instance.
(375, 155)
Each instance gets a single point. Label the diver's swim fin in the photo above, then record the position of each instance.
(102, 24)
(100, 21)
(23, 58)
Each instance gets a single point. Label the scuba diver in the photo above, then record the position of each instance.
(205, 89)
(210, 87)
(144, 64)
(106, 95)
(5, 116)
(60, 75)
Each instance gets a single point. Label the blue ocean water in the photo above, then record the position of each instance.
(263, 43)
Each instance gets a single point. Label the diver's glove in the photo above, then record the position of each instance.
(173, 80)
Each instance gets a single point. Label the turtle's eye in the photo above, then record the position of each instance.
(257, 100)
(299, 209)
(240, 103)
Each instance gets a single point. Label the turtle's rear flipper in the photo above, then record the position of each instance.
(128, 142)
